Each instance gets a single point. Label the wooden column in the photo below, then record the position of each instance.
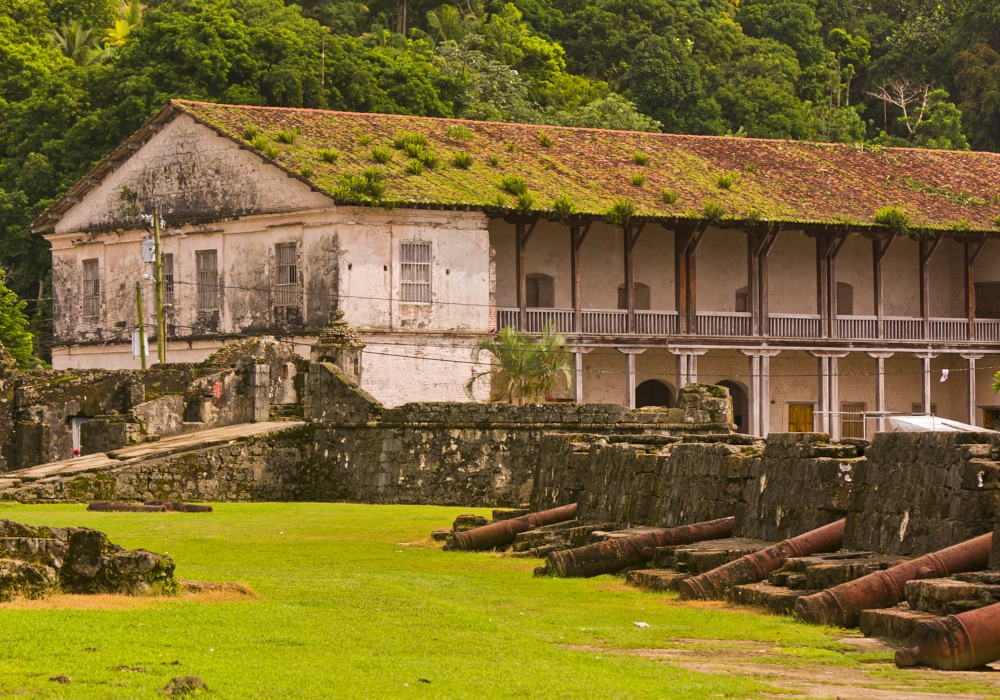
(630, 239)
(629, 287)
(577, 234)
(686, 241)
(972, 251)
(522, 285)
(822, 289)
(767, 241)
(681, 237)
(523, 227)
(831, 277)
(927, 249)
(879, 248)
(753, 280)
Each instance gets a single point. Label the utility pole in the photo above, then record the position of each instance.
(142, 329)
(161, 324)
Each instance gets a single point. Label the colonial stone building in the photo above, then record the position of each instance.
(820, 283)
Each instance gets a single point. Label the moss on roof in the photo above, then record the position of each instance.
(345, 155)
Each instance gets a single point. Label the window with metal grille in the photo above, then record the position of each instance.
(918, 408)
(207, 263)
(91, 289)
(167, 270)
(286, 269)
(852, 419)
(415, 272)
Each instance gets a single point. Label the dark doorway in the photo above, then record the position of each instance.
(740, 409)
(653, 393)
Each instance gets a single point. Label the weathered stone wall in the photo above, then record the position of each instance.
(800, 482)
(919, 492)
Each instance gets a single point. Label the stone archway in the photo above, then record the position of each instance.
(653, 392)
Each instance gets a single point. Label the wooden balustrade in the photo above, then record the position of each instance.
(737, 324)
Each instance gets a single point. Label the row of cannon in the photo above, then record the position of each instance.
(953, 642)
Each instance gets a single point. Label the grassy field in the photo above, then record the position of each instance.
(355, 601)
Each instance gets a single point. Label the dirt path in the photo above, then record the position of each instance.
(876, 680)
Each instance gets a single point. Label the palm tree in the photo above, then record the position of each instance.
(130, 18)
(523, 370)
(76, 42)
(448, 24)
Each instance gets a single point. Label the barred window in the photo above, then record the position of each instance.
(286, 269)
(167, 270)
(91, 289)
(208, 279)
(415, 272)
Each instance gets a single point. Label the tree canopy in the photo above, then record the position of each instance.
(78, 76)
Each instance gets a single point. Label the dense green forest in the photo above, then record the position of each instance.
(77, 76)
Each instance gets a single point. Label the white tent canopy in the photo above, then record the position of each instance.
(919, 424)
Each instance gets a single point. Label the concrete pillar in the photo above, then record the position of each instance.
(821, 419)
(753, 395)
(925, 393)
(759, 386)
(971, 383)
(682, 372)
(578, 354)
(630, 354)
(828, 386)
(880, 358)
(261, 380)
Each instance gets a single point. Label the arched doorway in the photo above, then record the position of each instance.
(653, 393)
(740, 407)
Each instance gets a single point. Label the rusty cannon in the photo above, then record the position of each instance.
(503, 533)
(618, 553)
(712, 585)
(956, 642)
(118, 507)
(842, 605)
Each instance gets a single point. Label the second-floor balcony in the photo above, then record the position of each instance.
(734, 324)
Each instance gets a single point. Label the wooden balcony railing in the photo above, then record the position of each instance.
(736, 324)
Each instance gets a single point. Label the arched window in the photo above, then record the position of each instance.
(742, 299)
(653, 393)
(541, 291)
(845, 299)
(740, 405)
(641, 292)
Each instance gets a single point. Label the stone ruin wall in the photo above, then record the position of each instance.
(903, 493)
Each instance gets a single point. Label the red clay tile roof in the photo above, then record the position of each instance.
(772, 180)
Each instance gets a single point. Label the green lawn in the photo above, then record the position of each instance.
(346, 609)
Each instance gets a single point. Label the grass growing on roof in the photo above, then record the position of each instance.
(356, 598)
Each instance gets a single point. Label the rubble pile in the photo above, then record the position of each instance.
(36, 561)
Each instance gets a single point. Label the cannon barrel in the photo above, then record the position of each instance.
(618, 553)
(956, 642)
(755, 567)
(842, 605)
(117, 507)
(504, 532)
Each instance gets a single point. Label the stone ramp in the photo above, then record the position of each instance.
(136, 454)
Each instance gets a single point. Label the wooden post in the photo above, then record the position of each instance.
(629, 282)
(753, 275)
(522, 284)
(879, 248)
(927, 249)
(972, 251)
(681, 237)
(763, 251)
(822, 289)
(574, 261)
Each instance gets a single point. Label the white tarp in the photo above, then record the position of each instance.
(918, 424)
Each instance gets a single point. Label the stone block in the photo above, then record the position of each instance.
(894, 623)
(778, 600)
(656, 580)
